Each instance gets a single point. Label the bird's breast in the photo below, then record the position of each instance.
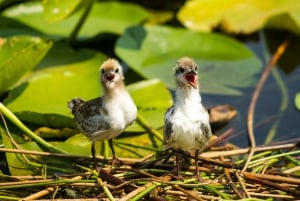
(187, 127)
(122, 112)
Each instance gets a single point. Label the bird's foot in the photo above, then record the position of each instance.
(98, 169)
(177, 177)
(198, 177)
(175, 173)
(116, 162)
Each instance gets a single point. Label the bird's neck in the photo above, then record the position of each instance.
(117, 89)
(187, 96)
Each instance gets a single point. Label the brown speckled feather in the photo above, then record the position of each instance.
(89, 116)
(168, 130)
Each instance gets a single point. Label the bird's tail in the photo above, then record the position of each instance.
(74, 103)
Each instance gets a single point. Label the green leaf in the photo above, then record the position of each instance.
(289, 21)
(42, 99)
(297, 101)
(152, 99)
(19, 55)
(11, 27)
(110, 16)
(236, 16)
(55, 11)
(17, 163)
(152, 52)
(22, 164)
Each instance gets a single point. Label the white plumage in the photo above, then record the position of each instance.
(108, 116)
(187, 121)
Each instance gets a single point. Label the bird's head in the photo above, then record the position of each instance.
(186, 72)
(111, 73)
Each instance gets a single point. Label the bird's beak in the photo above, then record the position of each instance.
(191, 77)
(109, 77)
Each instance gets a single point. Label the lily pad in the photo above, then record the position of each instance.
(225, 65)
(297, 101)
(55, 11)
(10, 27)
(43, 97)
(152, 99)
(22, 164)
(110, 16)
(16, 162)
(238, 16)
(19, 55)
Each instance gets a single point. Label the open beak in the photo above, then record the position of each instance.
(191, 77)
(109, 78)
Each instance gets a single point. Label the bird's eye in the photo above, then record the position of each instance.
(181, 69)
(196, 68)
(117, 70)
(102, 71)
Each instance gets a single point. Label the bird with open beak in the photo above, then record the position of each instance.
(108, 116)
(187, 121)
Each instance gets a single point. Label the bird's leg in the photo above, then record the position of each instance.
(176, 172)
(184, 155)
(197, 166)
(178, 163)
(93, 151)
(115, 160)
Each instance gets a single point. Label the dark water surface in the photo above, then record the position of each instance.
(275, 110)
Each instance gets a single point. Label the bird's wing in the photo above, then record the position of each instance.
(90, 117)
(168, 130)
(206, 130)
(205, 126)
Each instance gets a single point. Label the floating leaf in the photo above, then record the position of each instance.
(297, 101)
(22, 164)
(110, 16)
(152, 99)
(225, 64)
(17, 163)
(43, 98)
(10, 27)
(289, 21)
(19, 55)
(55, 11)
(237, 16)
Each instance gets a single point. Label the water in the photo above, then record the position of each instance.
(275, 110)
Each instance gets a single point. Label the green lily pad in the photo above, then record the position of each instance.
(152, 99)
(110, 16)
(238, 16)
(19, 55)
(24, 164)
(225, 65)
(17, 164)
(297, 101)
(55, 11)
(10, 27)
(43, 97)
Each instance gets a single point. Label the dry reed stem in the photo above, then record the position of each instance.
(230, 182)
(46, 191)
(280, 50)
